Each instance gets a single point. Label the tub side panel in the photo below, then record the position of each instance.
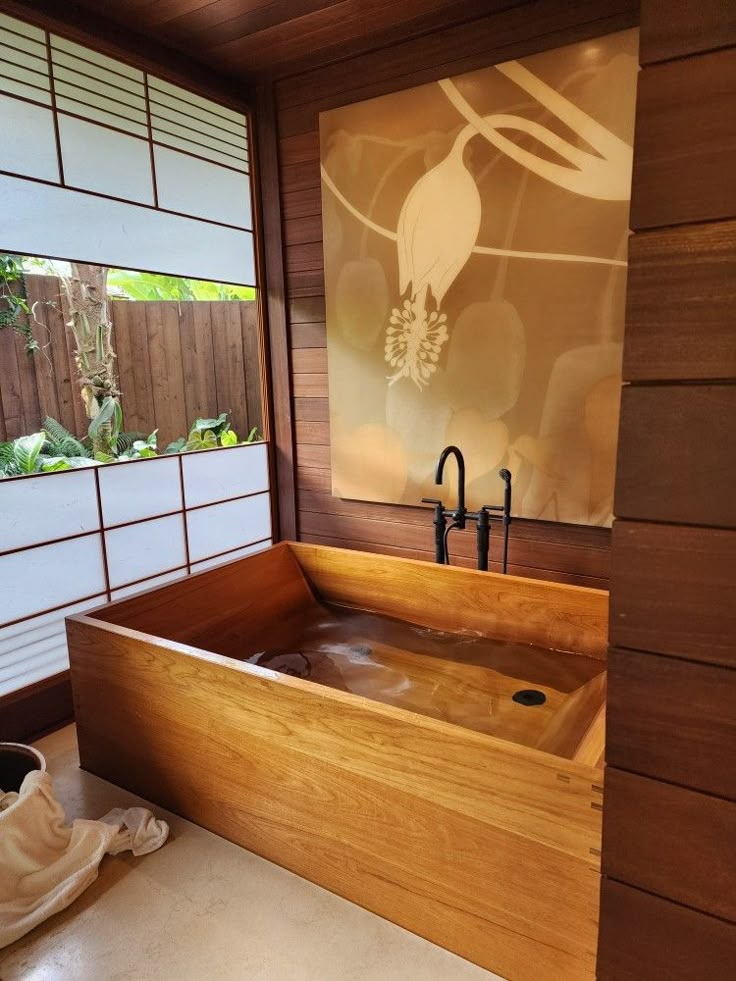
(554, 615)
(411, 820)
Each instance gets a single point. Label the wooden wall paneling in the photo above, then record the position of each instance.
(513, 32)
(402, 551)
(672, 28)
(300, 98)
(307, 310)
(529, 553)
(677, 454)
(277, 354)
(308, 335)
(646, 938)
(672, 719)
(312, 410)
(681, 303)
(671, 841)
(672, 591)
(37, 709)
(685, 141)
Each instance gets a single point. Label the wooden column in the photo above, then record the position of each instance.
(669, 828)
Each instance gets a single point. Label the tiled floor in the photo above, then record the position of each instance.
(203, 909)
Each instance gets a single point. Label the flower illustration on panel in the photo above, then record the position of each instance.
(437, 231)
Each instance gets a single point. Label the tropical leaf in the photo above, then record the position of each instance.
(26, 450)
(215, 425)
(229, 438)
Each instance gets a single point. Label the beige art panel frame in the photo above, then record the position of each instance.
(475, 242)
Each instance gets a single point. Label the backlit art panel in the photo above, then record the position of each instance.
(475, 241)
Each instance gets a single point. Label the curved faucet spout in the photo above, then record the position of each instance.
(454, 451)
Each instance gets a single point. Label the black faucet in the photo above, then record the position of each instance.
(460, 514)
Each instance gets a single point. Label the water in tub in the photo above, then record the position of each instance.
(465, 679)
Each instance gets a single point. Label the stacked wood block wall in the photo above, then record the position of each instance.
(538, 549)
(669, 850)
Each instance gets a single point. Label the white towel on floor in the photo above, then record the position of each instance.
(45, 864)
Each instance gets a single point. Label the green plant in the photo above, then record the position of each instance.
(60, 441)
(206, 434)
(14, 310)
(153, 286)
(141, 449)
(24, 456)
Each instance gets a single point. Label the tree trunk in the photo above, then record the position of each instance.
(85, 291)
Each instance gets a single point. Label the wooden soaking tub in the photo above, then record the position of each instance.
(382, 754)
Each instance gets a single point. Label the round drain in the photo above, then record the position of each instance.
(529, 696)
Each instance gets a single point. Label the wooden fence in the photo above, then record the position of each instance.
(176, 361)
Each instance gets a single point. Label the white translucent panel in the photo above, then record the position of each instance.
(239, 163)
(165, 111)
(39, 219)
(122, 106)
(99, 159)
(139, 489)
(26, 92)
(141, 587)
(79, 74)
(221, 527)
(38, 509)
(239, 553)
(214, 475)
(196, 187)
(111, 65)
(24, 75)
(220, 149)
(101, 116)
(32, 150)
(146, 549)
(63, 63)
(20, 27)
(47, 576)
(36, 648)
(197, 104)
(12, 45)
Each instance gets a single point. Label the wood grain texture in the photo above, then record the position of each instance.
(671, 841)
(502, 34)
(271, 264)
(645, 937)
(37, 709)
(516, 31)
(551, 615)
(677, 454)
(175, 362)
(672, 28)
(685, 142)
(127, 39)
(672, 719)
(681, 304)
(345, 791)
(672, 590)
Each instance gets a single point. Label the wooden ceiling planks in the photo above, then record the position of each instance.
(249, 38)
